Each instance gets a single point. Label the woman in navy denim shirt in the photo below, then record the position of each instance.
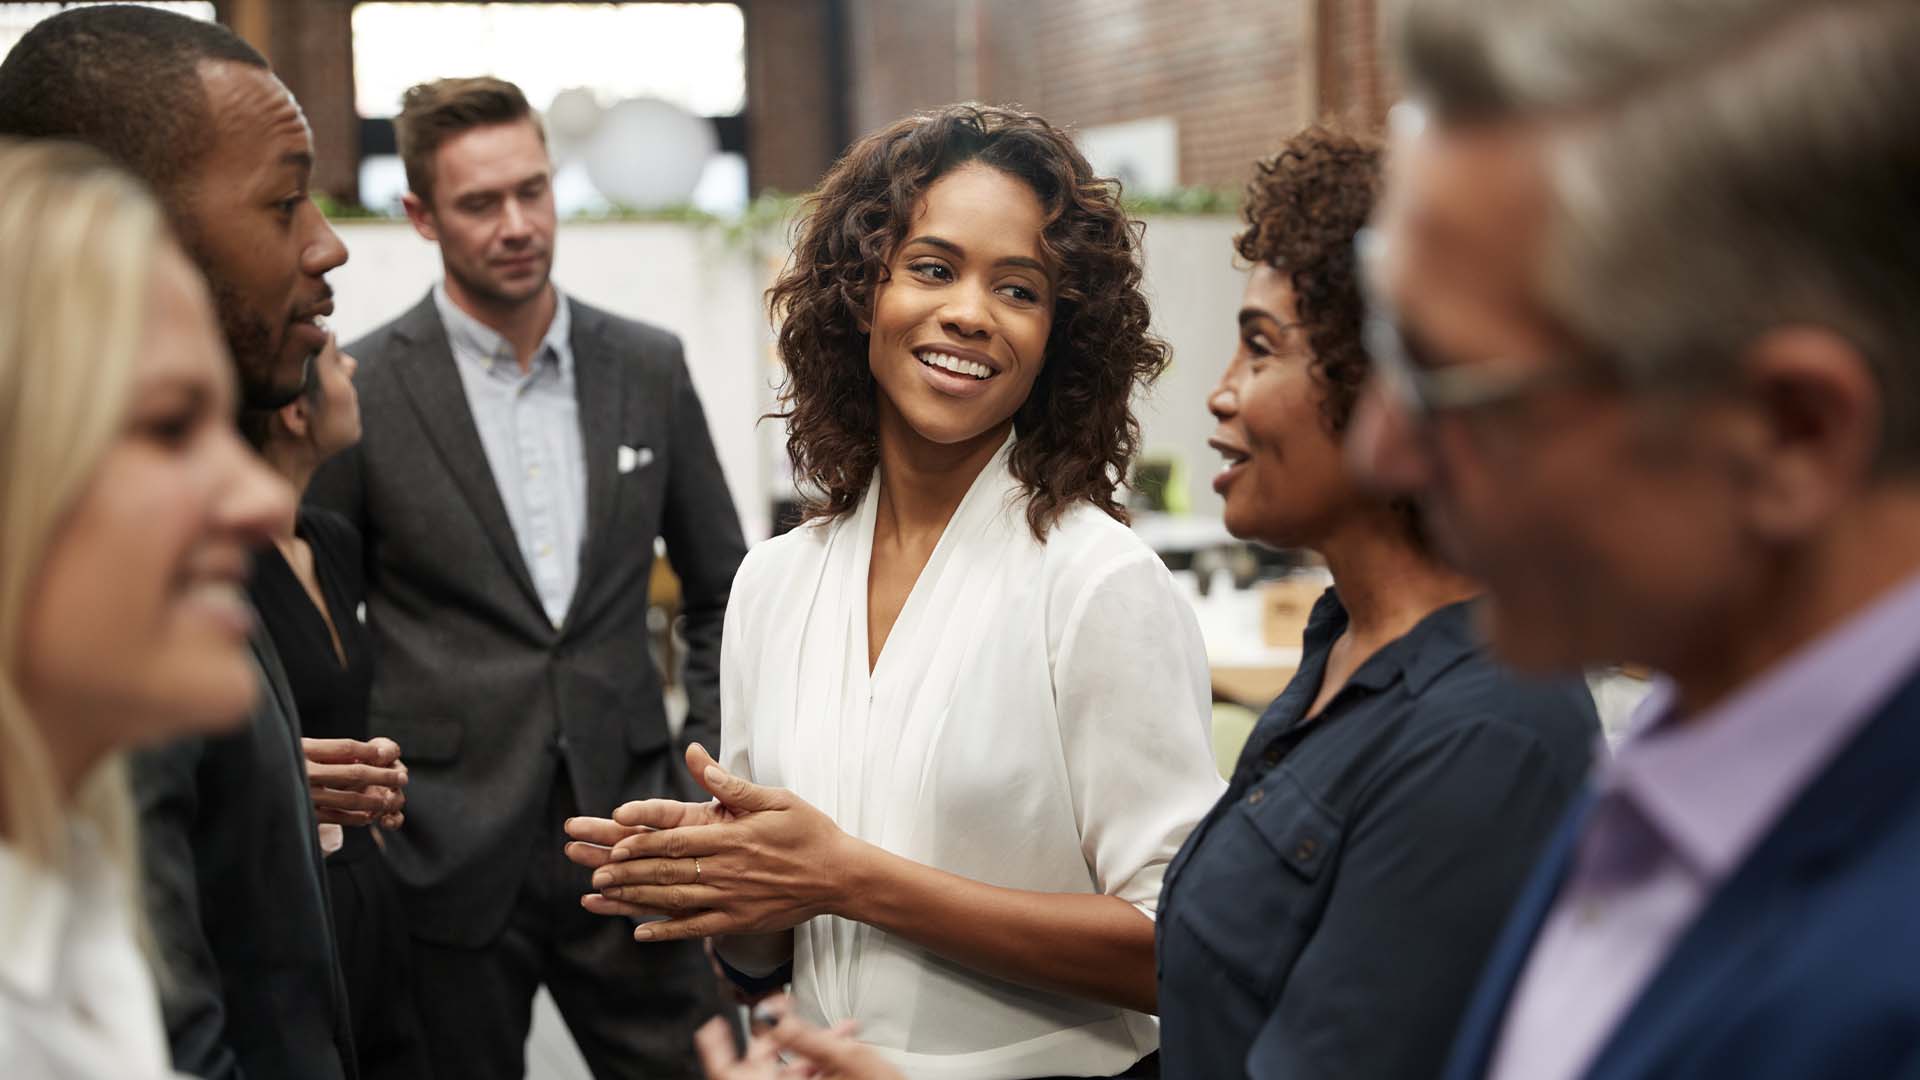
(1331, 914)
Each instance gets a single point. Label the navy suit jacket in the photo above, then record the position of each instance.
(1806, 962)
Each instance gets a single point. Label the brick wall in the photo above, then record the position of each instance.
(310, 45)
(793, 126)
(1236, 75)
(1353, 83)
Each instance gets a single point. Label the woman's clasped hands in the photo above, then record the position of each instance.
(753, 860)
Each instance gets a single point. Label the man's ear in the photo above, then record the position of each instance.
(296, 418)
(1818, 413)
(421, 215)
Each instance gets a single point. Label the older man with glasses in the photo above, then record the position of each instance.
(1648, 309)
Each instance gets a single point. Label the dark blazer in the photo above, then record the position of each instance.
(1806, 963)
(481, 691)
(232, 878)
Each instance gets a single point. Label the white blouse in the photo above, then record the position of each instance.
(1038, 719)
(77, 1001)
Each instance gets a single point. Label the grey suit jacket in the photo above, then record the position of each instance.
(233, 884)
(481, 691)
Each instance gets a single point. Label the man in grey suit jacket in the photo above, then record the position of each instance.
(231, 867)
(522, 451)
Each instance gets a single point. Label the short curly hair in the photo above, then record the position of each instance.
(1076, 433)
(1304, 206)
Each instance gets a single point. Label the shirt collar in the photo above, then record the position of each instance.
(472, 338)
(1437, 642)
(38, 906)
(1713, 786)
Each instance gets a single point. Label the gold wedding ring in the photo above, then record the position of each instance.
(696, 871)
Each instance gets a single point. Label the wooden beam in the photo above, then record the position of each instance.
(251, 19)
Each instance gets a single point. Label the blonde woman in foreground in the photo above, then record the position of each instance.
(128, 508)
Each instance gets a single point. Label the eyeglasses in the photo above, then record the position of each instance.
(1424, 390)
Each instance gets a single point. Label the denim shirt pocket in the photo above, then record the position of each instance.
(1253, 894)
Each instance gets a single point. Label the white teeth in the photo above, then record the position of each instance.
(218, 593)
(971, 368)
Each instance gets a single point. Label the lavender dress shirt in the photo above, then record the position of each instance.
(1675, 813)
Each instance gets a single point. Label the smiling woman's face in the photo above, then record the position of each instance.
(1283, 480)
(959, 328)
(136, 630)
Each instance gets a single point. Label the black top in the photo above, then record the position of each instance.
(1330, 915)
(332, 698)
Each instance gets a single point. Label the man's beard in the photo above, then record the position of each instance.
(256, 354)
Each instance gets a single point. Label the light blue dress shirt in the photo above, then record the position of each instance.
(529, 425)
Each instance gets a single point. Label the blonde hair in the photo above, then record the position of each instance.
(81, 238)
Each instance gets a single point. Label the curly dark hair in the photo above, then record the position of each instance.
(1076, 433)
(1304, 206)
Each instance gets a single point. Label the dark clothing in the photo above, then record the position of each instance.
(376, 958)
(1330, 915)
(1801, 964)
(232, 879)
(486, 695)
(369, 925)
(629, 1005)
(332, 693)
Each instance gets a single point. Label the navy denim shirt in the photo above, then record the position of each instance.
(1330, 916)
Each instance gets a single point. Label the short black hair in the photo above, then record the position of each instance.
(124, 79)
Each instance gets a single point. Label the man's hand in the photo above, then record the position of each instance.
(824, 1055)
(356, 783)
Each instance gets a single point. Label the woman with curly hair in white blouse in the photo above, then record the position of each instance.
(965, 709)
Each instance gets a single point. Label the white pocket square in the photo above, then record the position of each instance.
(633, 457)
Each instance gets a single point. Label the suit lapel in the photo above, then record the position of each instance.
(1725, 951)
(1733, 939)
(432, 382)
(1480, 1029)
(268, 658)
(288, 735)
(600, 386)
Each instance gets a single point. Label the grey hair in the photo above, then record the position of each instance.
(1718, 168)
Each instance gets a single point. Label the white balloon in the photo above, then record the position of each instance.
(647, 153)
(573, 115)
